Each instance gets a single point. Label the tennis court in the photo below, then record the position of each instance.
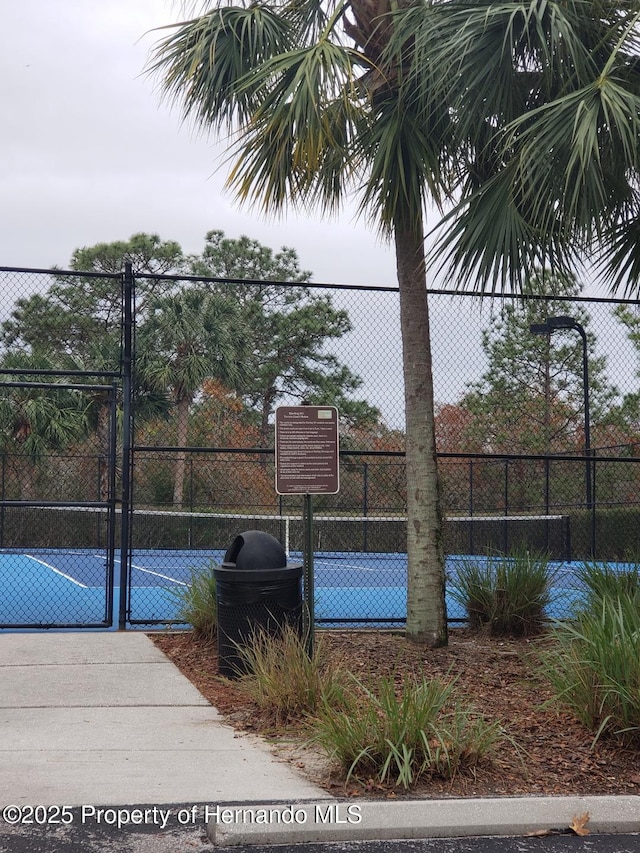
(62, 587)
(59, 570)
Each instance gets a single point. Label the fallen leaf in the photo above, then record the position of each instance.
(579, 824)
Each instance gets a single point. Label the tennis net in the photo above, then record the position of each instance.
(73, 528)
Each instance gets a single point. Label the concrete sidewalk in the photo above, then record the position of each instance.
(106, 725)
(107, 719)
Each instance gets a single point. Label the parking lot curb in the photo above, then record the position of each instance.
(353, 820)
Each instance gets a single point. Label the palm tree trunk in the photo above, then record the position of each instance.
(182, 411)
(426, 608)
(102, 435)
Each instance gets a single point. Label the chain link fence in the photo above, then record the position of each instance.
(60, 391)
(516, 468)
(537, 428)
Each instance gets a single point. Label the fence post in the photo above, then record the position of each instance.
(3, 486)
(592, 464)
(190, 526)
(505, 531)
(471, 543)
(126, 366)
(111, 499)
(547, 474)
(365, 505)
(506, 487)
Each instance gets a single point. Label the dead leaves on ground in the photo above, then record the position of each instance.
(578, 826)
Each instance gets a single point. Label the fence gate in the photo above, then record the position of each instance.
(58, 519)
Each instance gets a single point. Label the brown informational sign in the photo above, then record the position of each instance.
(307, 450)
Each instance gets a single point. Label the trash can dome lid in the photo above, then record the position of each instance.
(255, 549)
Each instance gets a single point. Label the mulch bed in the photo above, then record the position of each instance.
(548, 751)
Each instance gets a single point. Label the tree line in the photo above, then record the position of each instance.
(530, 398)
(260, 342)
(214, 358)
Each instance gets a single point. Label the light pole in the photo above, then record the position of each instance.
(553, 324)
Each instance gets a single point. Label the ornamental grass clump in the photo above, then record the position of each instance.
(602, 581)
(593, 666)
(402, 736)
(283, 680)
(505, 594)
(197, 603)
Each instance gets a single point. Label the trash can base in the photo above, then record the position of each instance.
(256, 591)
(243, 624)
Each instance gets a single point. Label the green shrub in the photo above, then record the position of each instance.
(594, 666)
(197, 604)
(603, 581)
(283, 680)
(401, 739)
(506, 594)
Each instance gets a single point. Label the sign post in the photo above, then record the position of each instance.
(307, 463)
(308, 575)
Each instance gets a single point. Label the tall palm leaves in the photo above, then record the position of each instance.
(546, 104)
(190, 336)
(316, 102)
(310, 117)
(36, 421)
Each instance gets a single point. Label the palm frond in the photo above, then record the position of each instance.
(207, 62)
(499, 59)
(528, 109)
(298, 144)
(405, 164)
(583, 175)
(620, 259)
(549, 183)
(491, 242)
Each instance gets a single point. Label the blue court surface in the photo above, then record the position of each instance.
(54, 587)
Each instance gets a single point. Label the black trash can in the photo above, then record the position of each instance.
(256, 591)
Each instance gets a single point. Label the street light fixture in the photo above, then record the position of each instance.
(553, 324)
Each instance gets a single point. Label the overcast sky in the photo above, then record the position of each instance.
(90, 154)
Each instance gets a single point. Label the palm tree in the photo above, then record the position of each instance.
(316, 100)
(545, 98)
(187, 337)
(36, 421)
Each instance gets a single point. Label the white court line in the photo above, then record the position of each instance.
(337, 566)
(157, 574)
(57, 571)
